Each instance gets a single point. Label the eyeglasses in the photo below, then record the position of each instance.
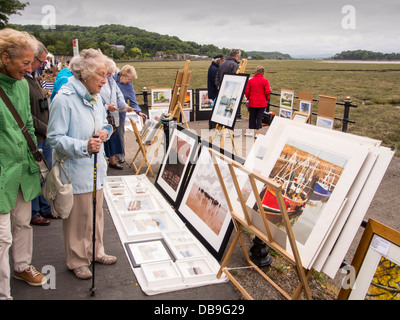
(103, 76)
(39, 60)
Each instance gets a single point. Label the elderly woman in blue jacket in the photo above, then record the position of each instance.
(76, 115)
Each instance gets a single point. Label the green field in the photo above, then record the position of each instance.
(373, 87)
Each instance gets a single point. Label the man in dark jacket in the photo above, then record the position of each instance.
(211, 85)
(230, 65)
(40, 115)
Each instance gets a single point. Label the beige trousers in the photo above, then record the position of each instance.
(78, 230)
(15, 230)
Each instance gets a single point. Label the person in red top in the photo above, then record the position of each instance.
(258, 93)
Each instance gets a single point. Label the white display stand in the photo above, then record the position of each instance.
(141, 215)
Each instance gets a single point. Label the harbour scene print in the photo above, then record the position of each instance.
(308, 176)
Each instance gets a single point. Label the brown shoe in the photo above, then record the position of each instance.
(107, 259)
(31, 276)
(39, 221)
(83, 273)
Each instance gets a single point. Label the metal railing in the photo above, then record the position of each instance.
(347, 104)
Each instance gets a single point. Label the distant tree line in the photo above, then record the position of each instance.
(366, 55)
(138, 43)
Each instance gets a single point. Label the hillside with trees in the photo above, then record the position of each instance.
(261, 55)
(366, 55)
(138, 43)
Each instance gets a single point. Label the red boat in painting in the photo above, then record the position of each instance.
(296, 177)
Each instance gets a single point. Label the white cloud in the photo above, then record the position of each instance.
(298, 28)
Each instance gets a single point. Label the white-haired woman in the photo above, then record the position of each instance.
(76, 115)
(124, 80)
(20, 178)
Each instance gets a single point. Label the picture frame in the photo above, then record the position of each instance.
(161, 97)
(138, 226)
(163, 273)
(203, 205)
(177, 162)
(139, 203)
(330, 149)
(376, 264)
(155, 113)
(229, 99)
(195, 270)
(136, 118)
(305, 106)
(300, 117)
(325, 122)
(204, 105)
(148, 251)
(286, 99)
(285, 113)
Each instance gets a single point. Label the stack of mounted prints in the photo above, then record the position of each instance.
(328, 181)
(164, 255)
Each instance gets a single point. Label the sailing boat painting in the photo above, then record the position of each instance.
(308, 176)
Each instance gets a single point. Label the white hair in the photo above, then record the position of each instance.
(86, 63)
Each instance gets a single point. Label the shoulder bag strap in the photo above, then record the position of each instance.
(37, 155)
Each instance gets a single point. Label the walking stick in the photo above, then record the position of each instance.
(93, 288)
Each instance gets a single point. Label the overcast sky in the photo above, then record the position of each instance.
(308, 28)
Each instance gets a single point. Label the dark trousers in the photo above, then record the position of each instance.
(255, 117)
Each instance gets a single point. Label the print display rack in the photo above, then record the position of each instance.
(242, 220)
(223, 130)
(144, 148)
(163, 254)
(179, 93)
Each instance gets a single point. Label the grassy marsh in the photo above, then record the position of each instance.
(374, 87)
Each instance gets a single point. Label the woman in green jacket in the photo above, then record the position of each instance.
(19, 173)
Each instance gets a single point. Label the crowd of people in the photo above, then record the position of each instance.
(72, 126)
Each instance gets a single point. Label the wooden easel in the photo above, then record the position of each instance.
(244, 222)
(222, 129)
(179, 93)
(143, 148)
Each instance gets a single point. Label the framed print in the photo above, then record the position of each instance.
(286, 99)
(136, 118)
(148, 251)
(194, 270)
(316, 171)
(300, 117)
(204, 105)
(305, 106)
(155, 113)
(161, 273)
(229, 99)
(188, 103)
(140, 203)
(160, 97)
(285, 113)
(204, 207)
(137, 225)
(176, 164)
(376, 264)
(325, 122)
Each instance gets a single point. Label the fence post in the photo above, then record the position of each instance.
(347, 105)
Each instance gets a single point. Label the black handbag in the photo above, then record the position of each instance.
(37, 154)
